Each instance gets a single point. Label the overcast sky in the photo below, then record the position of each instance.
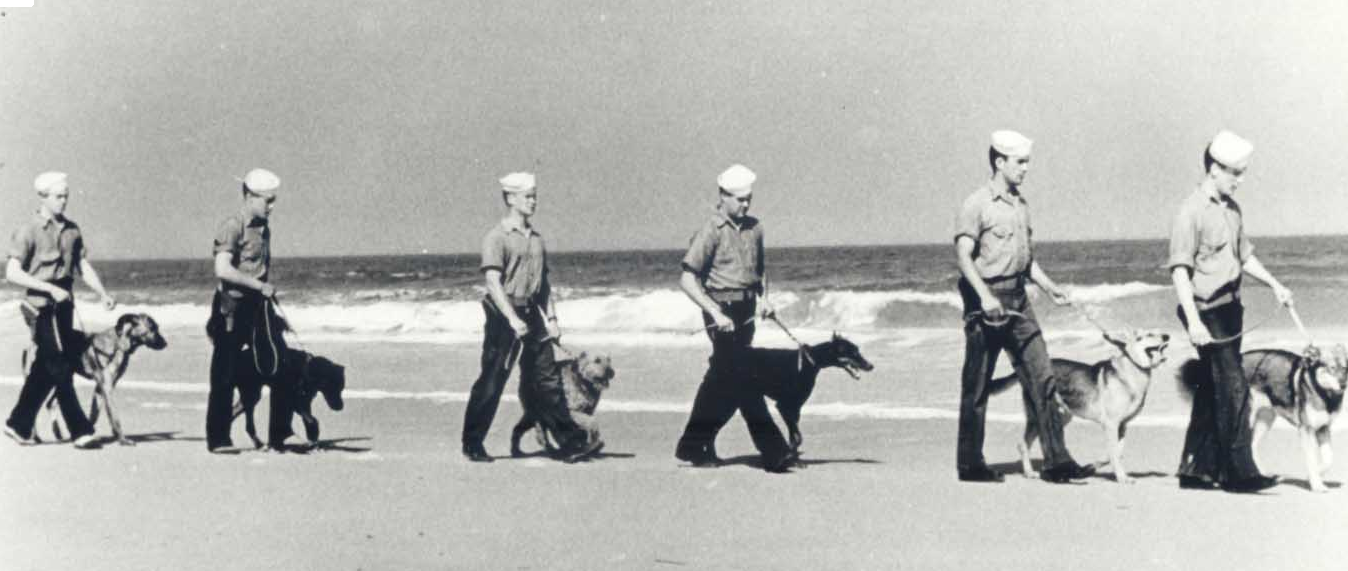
(389, 122)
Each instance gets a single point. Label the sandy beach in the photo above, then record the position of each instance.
(389, 489)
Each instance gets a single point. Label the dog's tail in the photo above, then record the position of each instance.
(999, 385)
(1189, 376)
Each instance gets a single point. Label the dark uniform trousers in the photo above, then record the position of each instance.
(538, 370)
(1217, 442)
(727, 387)
(58, 348)
(232, 367)
(1023, 341)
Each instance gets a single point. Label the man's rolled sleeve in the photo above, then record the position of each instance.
(493, 252)
(21, 246)
(1183, 241)
(967, 224)
(227, 237)
(701, 251)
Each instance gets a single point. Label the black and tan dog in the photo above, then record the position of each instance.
(584, 379)
(103, 361)
(305, 374)
(788, 376)
(1110, 392)
(1304, 389)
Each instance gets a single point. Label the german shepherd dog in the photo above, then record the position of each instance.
(1304, 389)
(308, 376)
(104, 360)
(584, 378)
(1110, 392)
(787, 376)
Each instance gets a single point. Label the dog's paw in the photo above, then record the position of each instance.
(1319, 488)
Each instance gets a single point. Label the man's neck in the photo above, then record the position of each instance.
(1000, 185)
(1210, 188)
(518, 218)
(49, 215)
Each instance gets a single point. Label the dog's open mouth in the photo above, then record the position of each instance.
(1157, 354)
(852, 368)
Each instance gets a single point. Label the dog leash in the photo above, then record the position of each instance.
(1225, 340)
(1297, 320)
(804, 350)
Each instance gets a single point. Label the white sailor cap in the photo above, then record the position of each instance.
(1230, 150)
(1011, 143)
(737, 181)
(261, 181)
(518, 182)
(49, 181)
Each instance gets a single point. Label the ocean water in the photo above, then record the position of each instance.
(880, 292)
(402, 315)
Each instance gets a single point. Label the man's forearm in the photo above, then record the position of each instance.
(1184, 291)
(91, 278)
(693, 289)
(1257, 270)
(14, 274)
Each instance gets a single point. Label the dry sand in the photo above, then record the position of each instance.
(391, 491)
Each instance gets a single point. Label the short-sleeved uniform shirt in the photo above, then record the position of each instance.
(49, 249)
(999, 224)
(727, 255)
(518, 252)
(1208, 236)
(248, 241)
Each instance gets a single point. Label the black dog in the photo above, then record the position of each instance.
(787, 376)
(306, 376)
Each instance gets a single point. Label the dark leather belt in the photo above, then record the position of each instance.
(1228, 293)
(731, 295)
(1006, 283)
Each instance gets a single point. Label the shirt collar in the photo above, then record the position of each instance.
(249, 219)
(1215, 197)
(43, 220)
(723, 219)
(511, 225)
(1006, 195)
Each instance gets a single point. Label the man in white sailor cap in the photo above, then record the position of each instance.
(521, 324)
(45, 255)
(723, 274)
(994, 251)
(242, 262)
(1209, 252)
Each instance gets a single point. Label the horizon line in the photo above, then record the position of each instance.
(603, 250)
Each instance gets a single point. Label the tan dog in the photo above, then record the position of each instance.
(1110, 392)
(584, 379)
(1304, 389)
(104, 361)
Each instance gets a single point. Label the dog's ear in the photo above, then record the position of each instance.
(127, 319)
(1114, 339)
(1311, 354)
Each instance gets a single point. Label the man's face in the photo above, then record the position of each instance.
(55, 200)
(1014, 168)
(259, 205)
(736, 207)
(525, 203)
(1227, 179)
